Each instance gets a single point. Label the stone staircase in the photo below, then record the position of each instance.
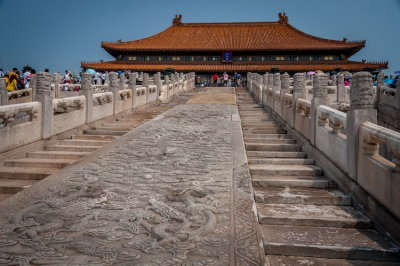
(304, 219)
(25, 169)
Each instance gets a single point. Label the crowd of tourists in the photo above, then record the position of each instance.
(17, 80)
(224, 80)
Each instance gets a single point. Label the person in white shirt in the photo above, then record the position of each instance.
(27, 77)
(96, 77)
(67, 77)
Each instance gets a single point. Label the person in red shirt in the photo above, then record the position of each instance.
(214, 79)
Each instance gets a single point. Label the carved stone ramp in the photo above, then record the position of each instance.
(173, 191)
(304, 220)
(25, 168)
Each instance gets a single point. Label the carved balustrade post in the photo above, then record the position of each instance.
(361, 110)
(259, 88)
(132, 86)
(276, 86)
(132, 81)
(146, 84)
(334, 80)
(114, 88)
(320, 97)
(341, 90)
(270, 81)
(107, 79)
(3, 92)
(285, 88)
(57, 78)
(299, 92)
(86, 90)
(379, 84)
(122, 81)
(157, 82)
(265, 89)
(167, 82)
(43, 95)
(32, 84)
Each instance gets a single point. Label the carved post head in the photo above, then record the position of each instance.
(43, 83)
(361, 91)
(379, 79)
(285, 81)
(121, 80)
(334, 80)
(298, 84)
(270, 80)
(3, 86)
(132, 79)
(86, 81)
(320, 85)
(145, 78)
(113, 80)
(277, 81)
(340, 79)
(265, 79)
(166, 79)
(259, 79)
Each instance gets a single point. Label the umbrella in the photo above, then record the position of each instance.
(390, 81)
(310, 73)
(90, 71)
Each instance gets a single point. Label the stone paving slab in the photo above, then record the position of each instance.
(174, 191)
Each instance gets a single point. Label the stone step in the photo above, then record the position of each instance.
(264, 131)
(285, 161)
(301, 196)
(34, 173)
(120, 124)
(265, 136)
(56, 147)
(259, 123)
(275, 154)
(326, 242)
(274, 260)
(247, 121)
(38, 162)
(57, 154)
(114, 127)
(105, 132)
(272, 147)
(263, 127)
(292, 181)
(101, 128)
(95, 137)
(12, 186)
(4, 196)
(269, 141)
(285, 170)
(83, 142)
(312, 215)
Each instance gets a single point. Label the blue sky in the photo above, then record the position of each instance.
(60, 34)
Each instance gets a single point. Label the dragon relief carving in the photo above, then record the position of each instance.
(173, 226)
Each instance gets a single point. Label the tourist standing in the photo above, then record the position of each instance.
(96, 77)
(67, 77)
(103, 78)
(11, 82)
(27, 77)
(1, 73)
(225, 77)
(215, 79)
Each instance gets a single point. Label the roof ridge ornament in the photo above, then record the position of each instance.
(177, 20)
(283, 19)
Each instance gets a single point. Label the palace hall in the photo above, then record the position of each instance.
(207, 48)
